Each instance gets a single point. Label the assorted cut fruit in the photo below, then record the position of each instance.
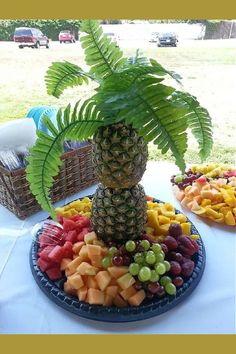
(208, 191)
(117, 272)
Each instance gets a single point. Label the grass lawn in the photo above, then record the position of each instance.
(208, 72)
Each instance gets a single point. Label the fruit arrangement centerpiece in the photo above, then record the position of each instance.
(208, 191)
(116, 248)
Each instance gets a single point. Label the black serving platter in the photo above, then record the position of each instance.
(149, 308)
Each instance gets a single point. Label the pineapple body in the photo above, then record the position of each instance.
(119, 156)
(118, 214)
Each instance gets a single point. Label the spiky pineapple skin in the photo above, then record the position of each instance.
(119, 156)
(118, 214)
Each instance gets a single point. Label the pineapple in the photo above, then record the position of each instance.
(119, 156)
(118, 214)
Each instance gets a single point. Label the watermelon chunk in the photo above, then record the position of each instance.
(45, 252)
(45, 265)
(68, 249)
(68, 225)
(81, 235)
(70, 236)
(57, 254)
(54, 273)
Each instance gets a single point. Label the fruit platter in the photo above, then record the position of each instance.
(208, 191)
(118, 282)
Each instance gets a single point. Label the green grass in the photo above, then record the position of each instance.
(208, 73)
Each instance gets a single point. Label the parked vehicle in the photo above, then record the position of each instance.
(154, 37)
(66, 36)
(30, 37)
(167, 39)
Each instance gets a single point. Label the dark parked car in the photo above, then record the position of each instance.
(30, 37)
(167, 39)
(66, 36)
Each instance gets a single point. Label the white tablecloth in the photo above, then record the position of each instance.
(209, 309)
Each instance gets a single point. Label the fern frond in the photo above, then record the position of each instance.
(44, 160)
(199, 121)
(62, 75)
(163, 71)
(101, 53)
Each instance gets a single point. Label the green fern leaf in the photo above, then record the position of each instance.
(101, 53)
(44, 160)
(62, 75)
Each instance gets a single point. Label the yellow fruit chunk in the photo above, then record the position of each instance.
(195, 237)
(229, 219)
(149, 230)
(229, 197)
(186, 228)
(181, 218)
(234, 211)
(205, 202)
(174, 221)
(163, 229)
(201, 211)
(169, 207)
(213, 213)
(76, 281)
(152, 220)
(163, 219)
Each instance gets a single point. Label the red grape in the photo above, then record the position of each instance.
(126, 260)
(175, 268)
(176, 256)
(161, 291)
(178, 281)
(187, 268)
(138, 285)
(117, 261)
(175, 230)
(164, 248)
(170, 242)
(153, 287)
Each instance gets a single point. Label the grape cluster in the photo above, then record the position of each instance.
(183, 181)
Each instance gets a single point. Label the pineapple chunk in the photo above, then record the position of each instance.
(229, 219)
(186, 228)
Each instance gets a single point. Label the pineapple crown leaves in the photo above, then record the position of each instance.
(130, 91)
(44, 159)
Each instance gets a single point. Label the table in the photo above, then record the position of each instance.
(210, 309)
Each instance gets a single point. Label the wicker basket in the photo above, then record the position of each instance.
(76, 174)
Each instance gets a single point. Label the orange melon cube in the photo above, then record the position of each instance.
(95, 297)
(86, 269)
(127, 293)
(198, 199)
(113, 282)
(69, 289)
(119, 302)
(180, 195)
(93, 250)
(112, 290)
(117, 272)
(77, 247)
(64, 263)
(84, 253)
(71, 267)
(96, 261)
(185, 201)
(82, 293)
(98, 243)
(91, 282)
(90, 237)
(137, 298)
(104, 251)
(103, 279)
(76, 281)
(108, 300)
(125, 281)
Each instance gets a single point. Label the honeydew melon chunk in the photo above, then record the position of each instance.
(90, 237)
(82, 293)
(125, 281)
(137, 298)
(103, 279)
(117, 272)
(95, 297)
(76, 281)
(112, 290)
(86, 269)
(127, 293)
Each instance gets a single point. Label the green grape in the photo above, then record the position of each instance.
(159, 258)
(112, 251)
(130, 246)
(178, 178)
(156, 248)
(144, 274)
(154, 276)
(138, 258)
(170, 289)
(106, 262)
(160, 268)
(164, 280)
(134, 268)
(145, 244)
(167, 265)
(163, 253)
(150, 257)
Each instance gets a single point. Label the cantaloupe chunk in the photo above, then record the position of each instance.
(82, 293)
(71, 267)
(112, 290)
(103, 279)
(119, 302)
(117, 272)
(64, 263)
(137, 298)
(91, 282)
(180, 195)
(96, 261)
(104, 251)
(193, 191)
(77, 247)
(84, 253)
(198, 199)
(93, 250)
(95, 297)
(108, 300)
(113, 282)
(127, 293)
(76, 281)
(185, 201)
(69, 289)
(125, 281)
(207, 194)
(86, 269)
(90, 237)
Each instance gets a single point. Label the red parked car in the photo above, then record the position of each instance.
(30, 37)
(66, 36)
